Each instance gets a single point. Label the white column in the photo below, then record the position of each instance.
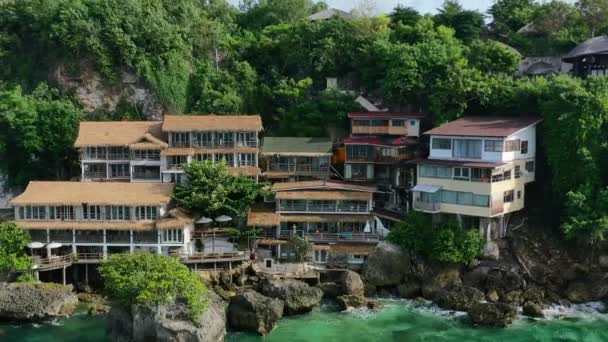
(74, 241)
(158, 249)
(131, 240)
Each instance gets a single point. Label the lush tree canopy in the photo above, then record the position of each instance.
(152, 279)
(13, 242)
(212, 191)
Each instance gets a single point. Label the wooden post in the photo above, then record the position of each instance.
(63, 274)
(230, 268)
(86, 274)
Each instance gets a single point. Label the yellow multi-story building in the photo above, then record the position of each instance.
(478, 167)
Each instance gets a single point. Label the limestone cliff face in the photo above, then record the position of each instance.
(36, 302)
(95, 93)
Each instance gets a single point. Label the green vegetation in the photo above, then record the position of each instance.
(446, 242)
(264, 57)
(151, 279)
(300, 247)
(212, 191)
(13, 243)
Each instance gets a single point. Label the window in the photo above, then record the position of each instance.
(449, 197)
(146, 155)
(435, 171)
(462, 173)
(481, 200)
(398, 123)
(379, 123)
(176, 161)
(467, 148)
(246, 139)
(442, 144)
(517, 171)
(63, 212)
(412, 122)
(32, 212)
(180, 139)
(512, 145)
(508, 196)
(91, 212)
(465, 198)
(204, 157)
(119, 170)
(118, 153)
(224, 139)
(524, 147)
(518, 194)
(146, 213)
(506, 175)
(203, 139)
(481, 175)
(95, 152)
(172, 235)
(228, 158)
(118, 213)
(361, 123)
(493, 146)
(530, 166)
(358, 152)
(359, 170)
(247, 159)
(176, 178)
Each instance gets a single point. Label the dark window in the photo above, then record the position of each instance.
(412, 122)
(512, 145)
(442, 144)
(524, 147)
(519, 194)
(530, 166)
(517, 171)
(508, 196)
(493, 146)
(506, 175)
(398, 123)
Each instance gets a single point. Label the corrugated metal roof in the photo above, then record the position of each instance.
(297, 146)
(484, 126)
(432, 188)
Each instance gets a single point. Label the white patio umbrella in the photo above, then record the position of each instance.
(204, 220)
(35, 245)
(368, 228)
(223, 218)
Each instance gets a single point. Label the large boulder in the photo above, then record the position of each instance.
(35, 302)
(460, 298)
(167, 323)
(409, 290)
(443, 279)
(504, 280)
(331, 289)
(354, 302)
(255, 312)
(492, 314)
(533, 309)
(387, 265)
(298, 296)
(352, 284)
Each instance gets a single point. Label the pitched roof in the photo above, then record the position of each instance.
(212, 122)
(484, 126)
(263, 215)
(597, 45)
(330, 13)
(118, 133)
(321, 184)
(384, 115)
(297, 146)
(100, 193)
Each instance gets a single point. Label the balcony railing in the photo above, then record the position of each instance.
(83, 257)
(180, 143)
(145, 237)
(117, 238)
(302, 168)
(342, 236)
(95, 174)
(326, 208)
(370, 129)
(63, 237)
(175, 166)
(428, 207)
(118, 156)
(90, 238)
(146, 175)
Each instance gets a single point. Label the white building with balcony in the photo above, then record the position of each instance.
(120, 150)
(91, 220)
(478, 168)
(233, 139)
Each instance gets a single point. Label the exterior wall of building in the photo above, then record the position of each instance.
(528, 134)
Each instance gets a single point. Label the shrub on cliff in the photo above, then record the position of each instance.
(448, 242)
(13, 241)
(150, 279)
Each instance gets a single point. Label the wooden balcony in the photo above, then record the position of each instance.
(53, 262)
(212, 257)
(370, 130)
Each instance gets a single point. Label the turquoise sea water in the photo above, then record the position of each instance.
(399, 321)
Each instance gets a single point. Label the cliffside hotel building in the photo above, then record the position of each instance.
(478, 168)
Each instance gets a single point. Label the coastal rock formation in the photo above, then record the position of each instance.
(533, 309)
(170, 323)
(352, 284)
(492, 314)
(255, 312)
(408, 290)
(353, 301)
(342, 282)
(331, 289)
(460, 298)
(387, 265)
(35, 302)
(298, 296)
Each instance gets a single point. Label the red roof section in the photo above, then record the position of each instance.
(383, 141)
(384, 115)
(485, 126)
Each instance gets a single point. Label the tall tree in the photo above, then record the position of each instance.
(467, 24)
(594, 13)
(511, 15)
(404, 15)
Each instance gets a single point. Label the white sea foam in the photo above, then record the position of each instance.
(595, 310)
